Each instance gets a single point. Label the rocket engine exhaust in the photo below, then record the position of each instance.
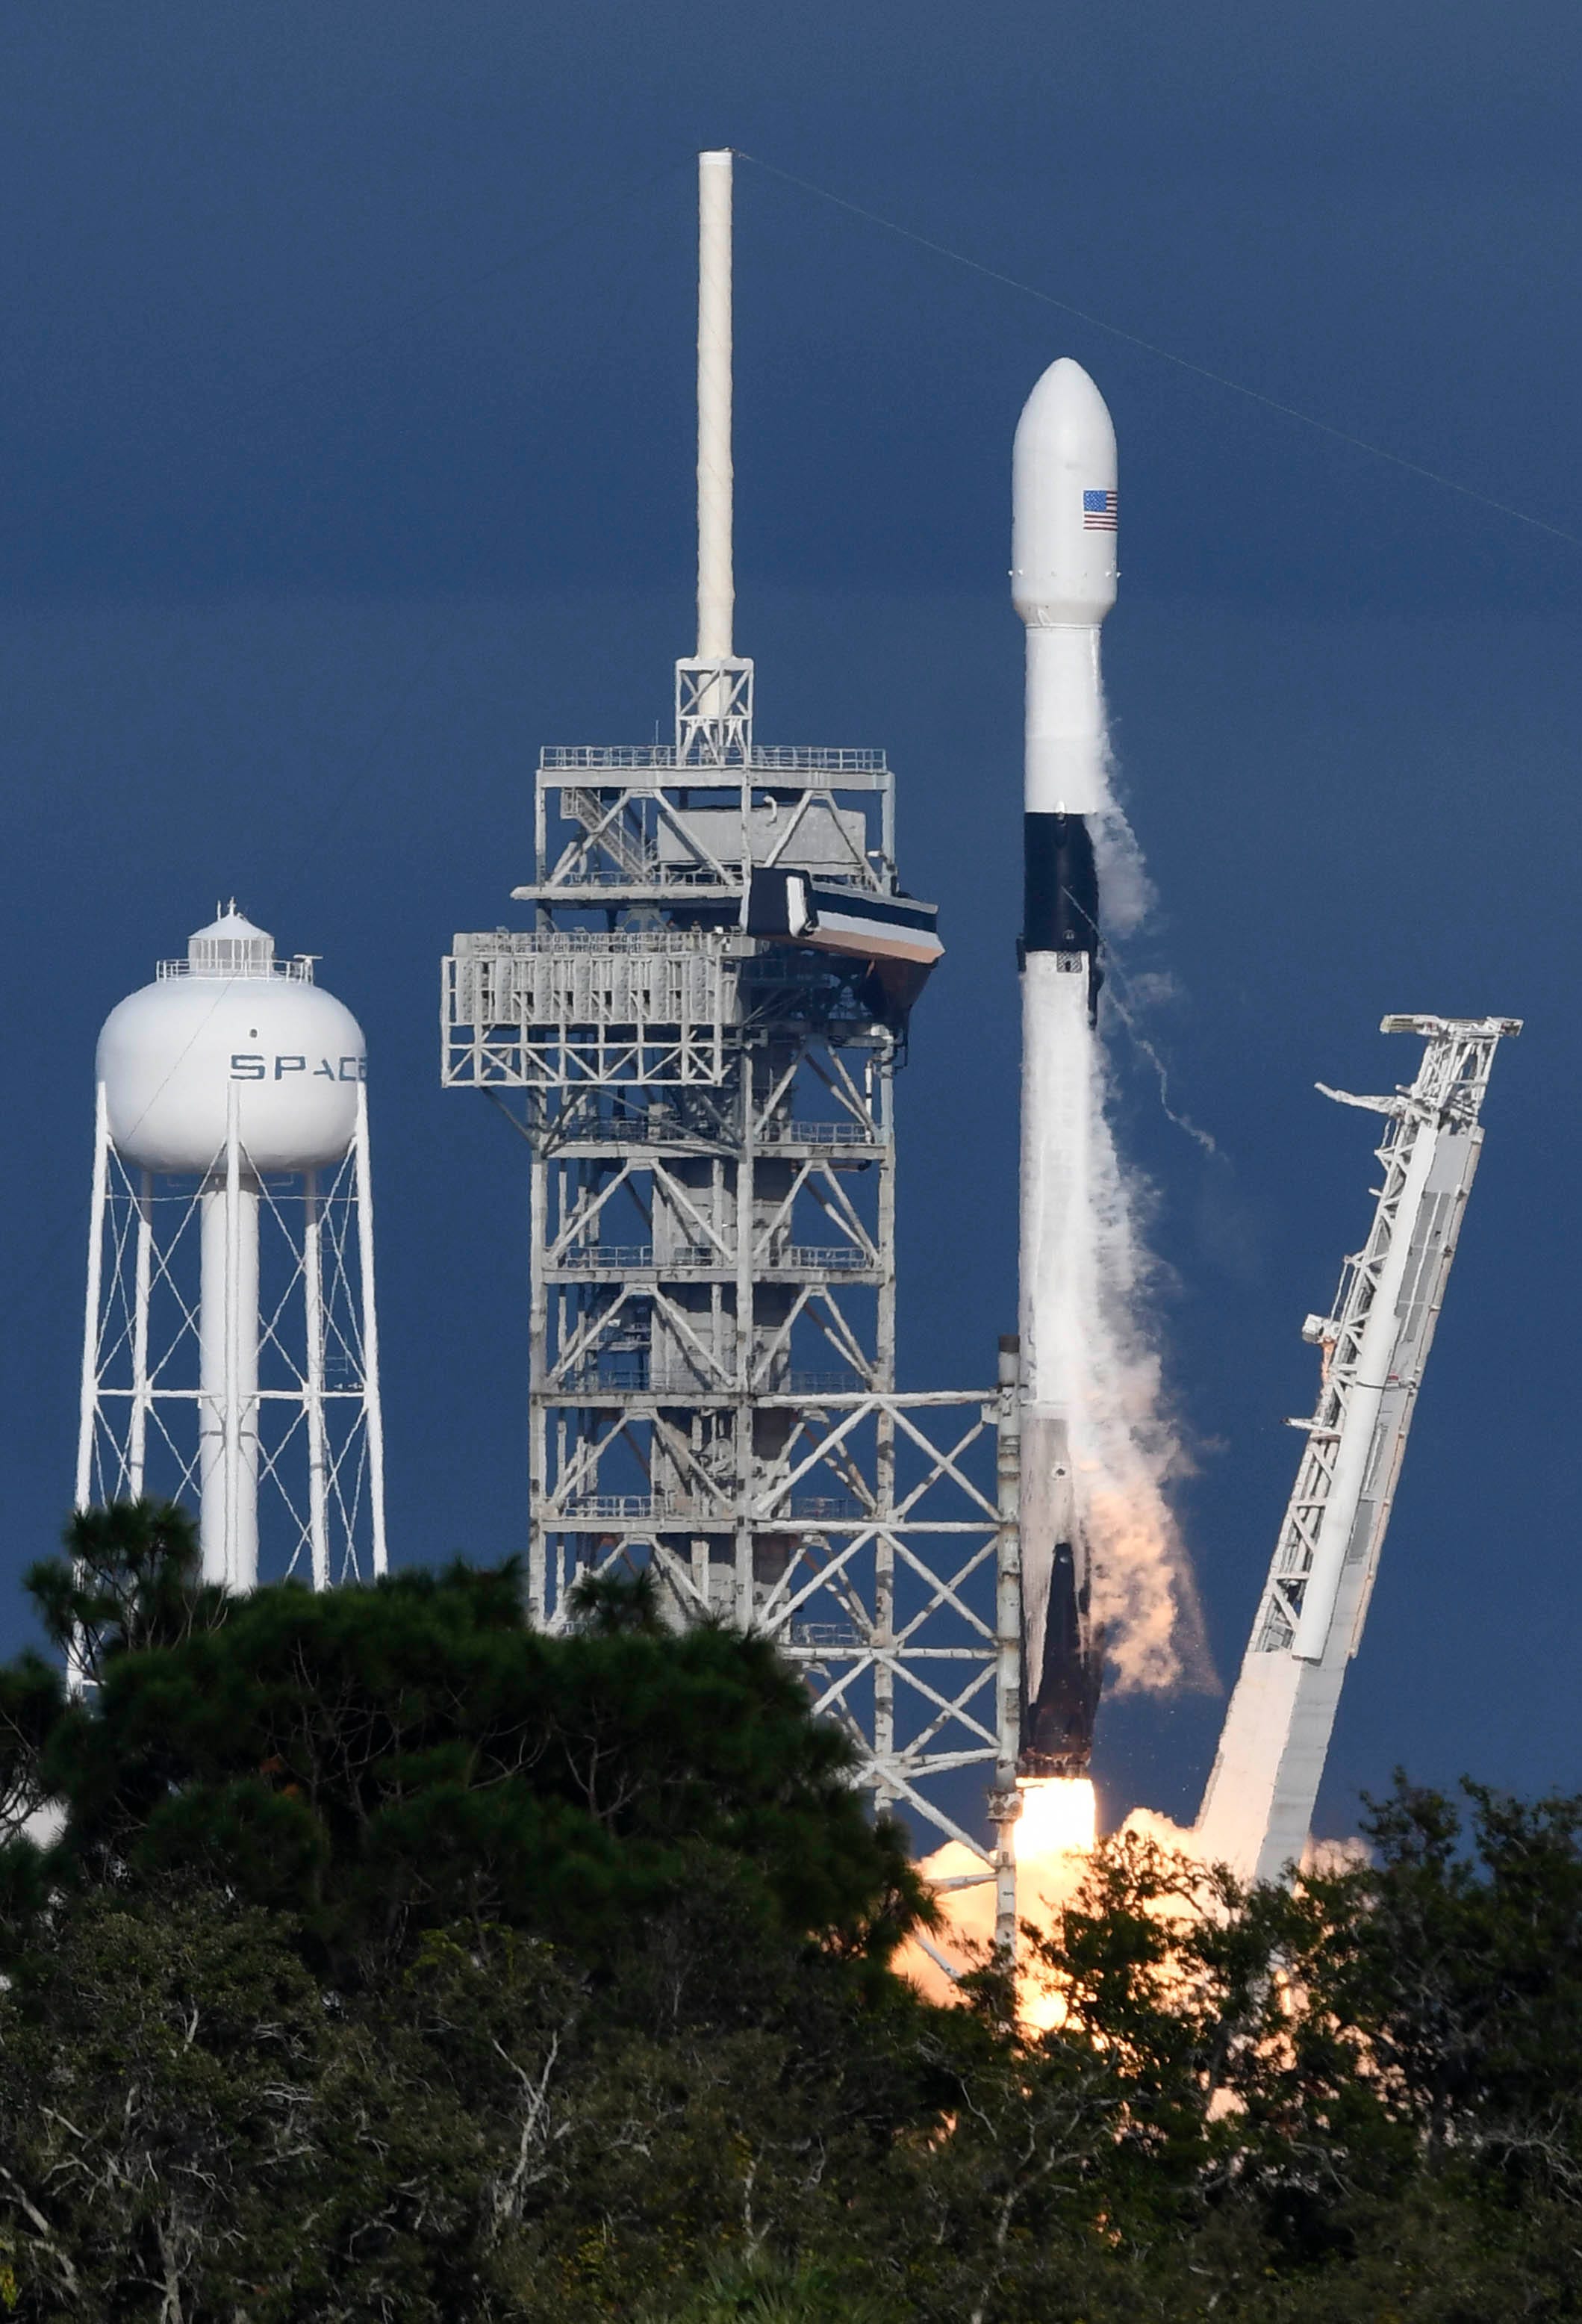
(1064, 508)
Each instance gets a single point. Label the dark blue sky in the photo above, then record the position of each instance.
(346, 379)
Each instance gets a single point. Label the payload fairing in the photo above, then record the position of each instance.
(1063, 533)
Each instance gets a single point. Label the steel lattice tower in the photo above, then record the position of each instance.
(698, 1036)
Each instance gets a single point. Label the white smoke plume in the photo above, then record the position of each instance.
(1126, 1444)
(1123, 876)
(1126, 1447)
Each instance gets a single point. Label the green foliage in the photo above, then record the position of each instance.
(392, 1961)
(131, 1579)
(381, 1762)
(774, 2292)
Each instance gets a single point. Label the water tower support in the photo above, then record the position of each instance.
(227, 1338)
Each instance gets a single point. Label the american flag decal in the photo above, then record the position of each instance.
(1099, 511)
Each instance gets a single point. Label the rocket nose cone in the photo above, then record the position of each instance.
(1064, 505)
(1066, 409)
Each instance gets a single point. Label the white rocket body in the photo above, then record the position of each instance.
(1062, 583)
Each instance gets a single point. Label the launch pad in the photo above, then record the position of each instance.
(697, 1037)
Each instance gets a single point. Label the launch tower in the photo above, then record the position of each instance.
(698, 1034)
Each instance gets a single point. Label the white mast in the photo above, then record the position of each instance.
(1259, 1801)
(713, 689)
(716, 585)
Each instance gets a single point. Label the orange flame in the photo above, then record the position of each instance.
(1054, 1837)
(1060, 1817)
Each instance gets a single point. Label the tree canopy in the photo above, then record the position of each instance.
(382, 1762)
(384, 1959)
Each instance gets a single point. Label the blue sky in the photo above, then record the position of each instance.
(346, 380)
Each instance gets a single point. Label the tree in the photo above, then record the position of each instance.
(393, 1962)
(383, 1761)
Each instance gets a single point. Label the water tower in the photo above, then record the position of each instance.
(231, 1349)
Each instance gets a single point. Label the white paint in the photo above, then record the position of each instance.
(1258, 1806)
(88, 1404)
(170, 1054)
(1092, 1392)
(1374, 1369)
(142, 1285)
(716, 585)
(372, 1408)
(1065, 745)
(313, 1381)
(228, 1409)
(231, 1104)
(1062, 584)
(1097, 1446)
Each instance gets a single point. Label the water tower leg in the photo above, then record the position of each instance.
(137, 1432)
(87, 1419)
(228, 1332)
(313, 1379)
(373, 1409)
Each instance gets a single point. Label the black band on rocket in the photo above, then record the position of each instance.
(1061, 1703)
(1061, 895)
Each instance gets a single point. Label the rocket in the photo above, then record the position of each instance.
(1063, 519)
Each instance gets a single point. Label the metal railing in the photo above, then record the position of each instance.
(771, 758)
(299, 970)
(631, 1258)
(632, 1509)
(831, 1636)
(817, 1133)
(639, 1257)
(594, 942)
(663, 1128)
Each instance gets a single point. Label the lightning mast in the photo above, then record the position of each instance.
(1374, 1344)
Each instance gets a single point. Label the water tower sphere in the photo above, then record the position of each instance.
(231, 1019)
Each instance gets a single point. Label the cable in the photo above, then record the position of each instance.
(1167, 354)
